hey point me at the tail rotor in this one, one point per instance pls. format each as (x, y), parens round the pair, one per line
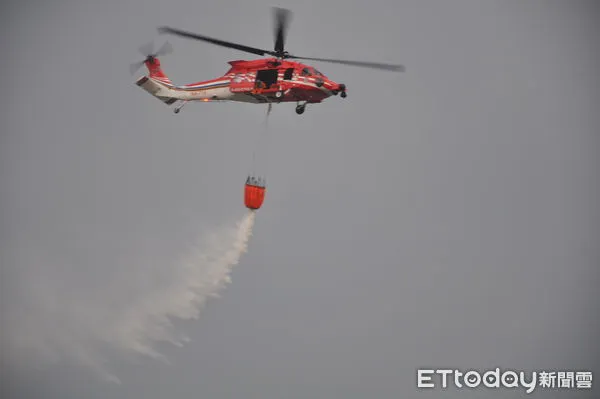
(147, 51)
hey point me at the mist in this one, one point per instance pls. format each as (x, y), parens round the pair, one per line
(130, 310)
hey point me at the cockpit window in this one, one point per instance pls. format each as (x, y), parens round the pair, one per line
(306, 72)
(318, 73)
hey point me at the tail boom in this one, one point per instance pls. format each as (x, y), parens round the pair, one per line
(160, 86)
(217, 90)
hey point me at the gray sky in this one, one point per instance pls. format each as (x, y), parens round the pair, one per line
(445, 217)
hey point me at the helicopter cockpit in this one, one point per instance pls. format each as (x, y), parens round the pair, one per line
(308, 71)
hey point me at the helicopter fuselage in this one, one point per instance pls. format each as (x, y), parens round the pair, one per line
(256, 81)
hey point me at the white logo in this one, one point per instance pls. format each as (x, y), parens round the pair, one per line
(506, 379)
(239, 78)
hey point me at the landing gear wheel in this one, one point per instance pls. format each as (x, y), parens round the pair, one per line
(176, 110)
(300, 109)
(279, 94)
(343, 94)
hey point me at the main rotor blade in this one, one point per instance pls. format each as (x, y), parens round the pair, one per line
(282, 18)
(218, 42)
(376, 65)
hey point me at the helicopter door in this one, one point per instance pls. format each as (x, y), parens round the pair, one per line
(289, 74)
(266, 79)
(241, 83)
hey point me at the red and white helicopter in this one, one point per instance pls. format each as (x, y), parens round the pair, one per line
(267, 80)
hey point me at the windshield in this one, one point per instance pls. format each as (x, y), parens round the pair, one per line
(311, 72)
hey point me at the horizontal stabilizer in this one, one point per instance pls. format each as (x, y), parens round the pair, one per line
(163, 93)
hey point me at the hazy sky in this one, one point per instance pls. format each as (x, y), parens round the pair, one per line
(445, 217)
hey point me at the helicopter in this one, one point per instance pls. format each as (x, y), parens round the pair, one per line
(276, 79)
